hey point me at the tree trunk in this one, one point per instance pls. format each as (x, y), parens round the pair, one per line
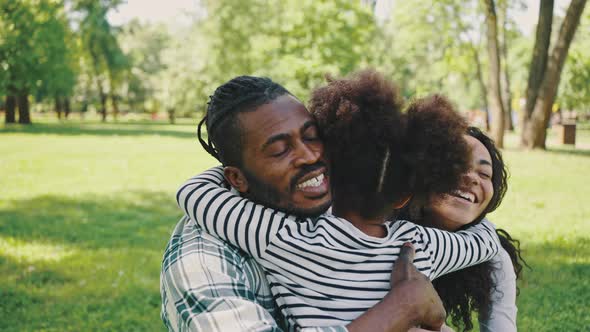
(172, 115)
(504, 75)
(540, 55)
(58, 107)
(482, 85)
(24, 115)
(103, 106)
(101, 93)
(10, 116)
(494, 89)
(507, 101)
(115, 106)
(67, 108)
(535, 129)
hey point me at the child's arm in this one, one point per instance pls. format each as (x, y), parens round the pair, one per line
(243, 223)
(439, 252)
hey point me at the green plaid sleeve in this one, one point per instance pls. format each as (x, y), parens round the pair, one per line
(209, 285)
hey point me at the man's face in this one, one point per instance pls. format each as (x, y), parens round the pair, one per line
(283, 158)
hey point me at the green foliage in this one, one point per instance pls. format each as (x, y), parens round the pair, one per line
(148, 67)
(36, 48)
(575, 87)
(101, 51)
(434, 49)
(82, 235)
(144, 47)
(293, 42)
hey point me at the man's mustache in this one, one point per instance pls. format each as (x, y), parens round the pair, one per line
(306, 169)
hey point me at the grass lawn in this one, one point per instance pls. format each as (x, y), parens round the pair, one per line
(86, 210)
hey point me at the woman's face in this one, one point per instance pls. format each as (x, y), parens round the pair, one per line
(464, 205)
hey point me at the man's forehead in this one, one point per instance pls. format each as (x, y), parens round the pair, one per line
(283, 115)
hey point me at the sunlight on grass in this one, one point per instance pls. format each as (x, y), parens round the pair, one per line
(31, 252)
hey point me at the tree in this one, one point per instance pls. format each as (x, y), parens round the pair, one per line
(546, 71)
(18, 24)
(144, 45)
(505, 72)
(34, 53)
(10, 103)
(494, 85)
(101, 47)
(575, 94)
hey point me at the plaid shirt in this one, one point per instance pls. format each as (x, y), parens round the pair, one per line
(209, 285)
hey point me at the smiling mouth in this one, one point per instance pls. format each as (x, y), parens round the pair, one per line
(467, 196)
(312, 183)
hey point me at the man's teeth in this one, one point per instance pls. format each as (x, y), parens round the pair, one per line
(314, 182)
(465, 195)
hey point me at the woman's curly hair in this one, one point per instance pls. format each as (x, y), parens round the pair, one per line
(377, 153)
(470, 289)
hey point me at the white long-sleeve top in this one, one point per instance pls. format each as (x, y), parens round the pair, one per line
(502, 315)
(324, 271)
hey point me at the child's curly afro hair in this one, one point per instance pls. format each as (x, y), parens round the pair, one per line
(378, 154)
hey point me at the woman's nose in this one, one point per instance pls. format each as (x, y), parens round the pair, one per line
(470, 178)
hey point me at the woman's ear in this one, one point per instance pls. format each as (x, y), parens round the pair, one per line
(236, 178)
(402, 201)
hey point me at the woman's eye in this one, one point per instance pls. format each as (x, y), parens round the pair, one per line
(485, 175)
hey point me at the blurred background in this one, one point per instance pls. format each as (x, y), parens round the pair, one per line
(100, 101)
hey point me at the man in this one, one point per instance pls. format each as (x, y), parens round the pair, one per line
(272, 153)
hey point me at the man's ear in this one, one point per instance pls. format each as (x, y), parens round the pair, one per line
(402, 201)
(236, 178)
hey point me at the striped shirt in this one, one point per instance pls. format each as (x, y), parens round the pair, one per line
(324, 271)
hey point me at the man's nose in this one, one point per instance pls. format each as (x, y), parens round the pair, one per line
(308, 153)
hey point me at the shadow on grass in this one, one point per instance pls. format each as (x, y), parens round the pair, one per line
(138, 219)
(555, 294)
(109, 129)
(55, 296)
(107, 281)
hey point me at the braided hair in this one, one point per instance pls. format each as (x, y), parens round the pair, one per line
(240, 94)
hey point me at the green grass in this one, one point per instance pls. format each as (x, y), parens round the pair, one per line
(87, 208)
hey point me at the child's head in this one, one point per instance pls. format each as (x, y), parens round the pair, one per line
(379, 155)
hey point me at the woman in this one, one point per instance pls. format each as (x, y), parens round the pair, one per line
(488, 288)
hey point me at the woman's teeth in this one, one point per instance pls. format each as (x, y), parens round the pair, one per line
(314, 182)
(465, 195)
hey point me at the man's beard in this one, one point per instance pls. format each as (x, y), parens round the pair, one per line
(267, 195)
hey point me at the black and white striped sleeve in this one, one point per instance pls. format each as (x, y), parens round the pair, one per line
(237, 220)
(452, 251)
